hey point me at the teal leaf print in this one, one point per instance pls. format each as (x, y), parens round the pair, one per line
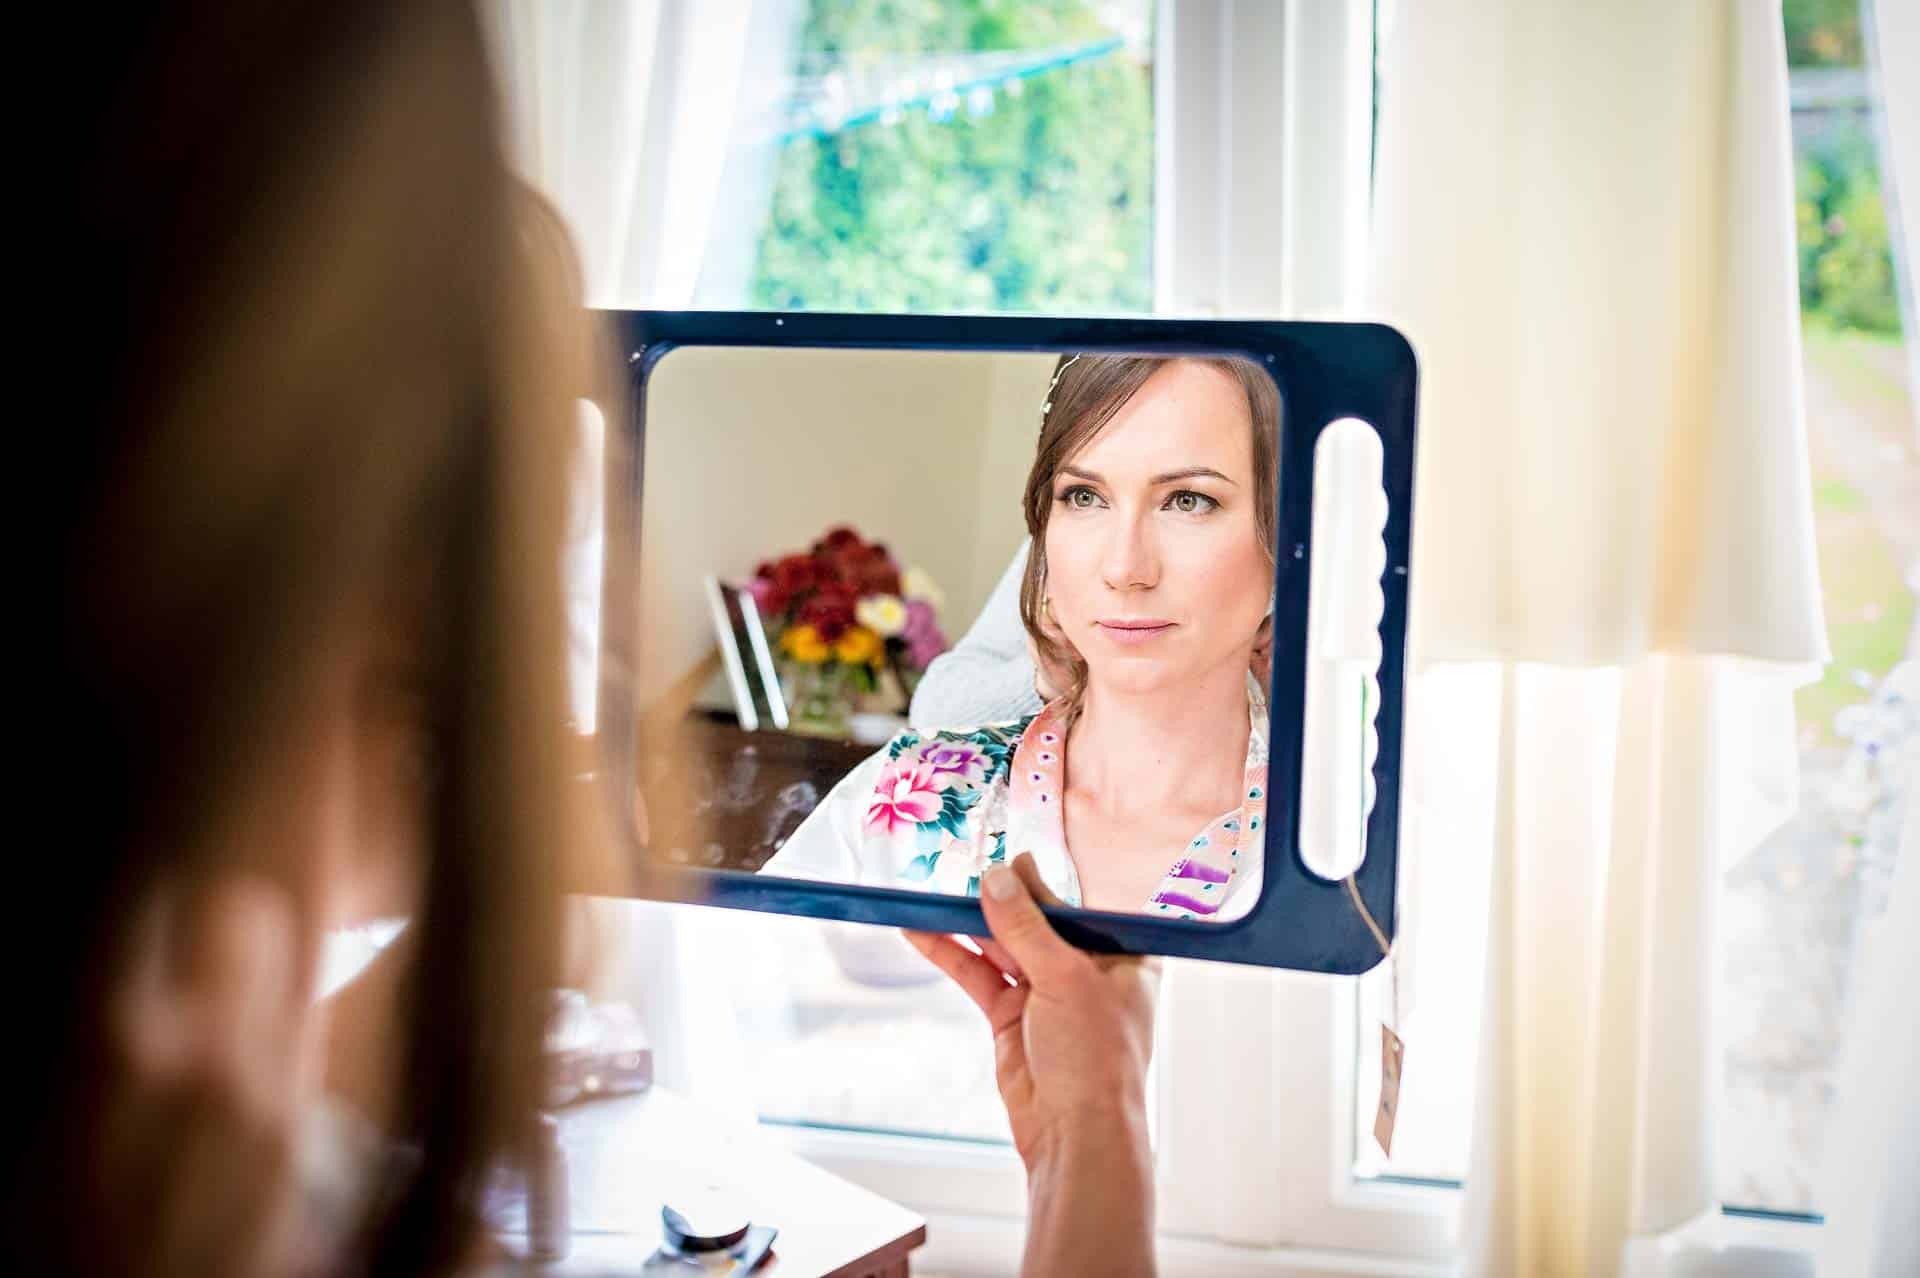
(954, 806)
(920, 869)
(901, 744)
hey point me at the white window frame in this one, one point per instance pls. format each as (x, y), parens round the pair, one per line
(1263, 145)
(1261, 208)
(1263, 112)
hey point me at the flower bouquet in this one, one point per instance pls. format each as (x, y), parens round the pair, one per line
(849, 627)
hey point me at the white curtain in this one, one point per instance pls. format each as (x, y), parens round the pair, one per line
(627, 116)
(1896, 31)
(1873, 1158)
(1873, 1144)
(1584, 223)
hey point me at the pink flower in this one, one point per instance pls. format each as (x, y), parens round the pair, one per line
(764, 597)
(922, 635)
(904, 796)
(920, 618)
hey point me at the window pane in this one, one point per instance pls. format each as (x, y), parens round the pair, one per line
(1798, 911)
(1446, 844)
(967, 156)
(846, 1026)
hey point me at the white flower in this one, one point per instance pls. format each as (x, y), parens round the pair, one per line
(885, 615)
(918, 585)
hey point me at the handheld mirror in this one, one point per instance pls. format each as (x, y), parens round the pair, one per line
(886, 600)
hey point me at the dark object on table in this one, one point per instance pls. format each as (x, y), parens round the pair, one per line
(698, 1234)
(745, 1256)
(728, 799)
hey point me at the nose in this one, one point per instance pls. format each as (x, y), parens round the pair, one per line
(1131, 558)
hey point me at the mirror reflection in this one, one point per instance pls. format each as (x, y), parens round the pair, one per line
(909, 614)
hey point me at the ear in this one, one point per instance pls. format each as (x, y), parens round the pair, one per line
(1260, 657)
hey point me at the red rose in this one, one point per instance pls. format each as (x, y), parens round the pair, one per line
(829, 610)
(877, 574)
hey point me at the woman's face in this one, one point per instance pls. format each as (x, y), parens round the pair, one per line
(1154, 568)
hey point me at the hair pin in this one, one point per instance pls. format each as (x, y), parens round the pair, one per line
(1057, 375)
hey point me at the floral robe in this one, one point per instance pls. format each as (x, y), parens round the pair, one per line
(932, 812)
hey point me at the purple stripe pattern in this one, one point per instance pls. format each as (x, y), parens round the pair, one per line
(1181, 901)
(1190, 869)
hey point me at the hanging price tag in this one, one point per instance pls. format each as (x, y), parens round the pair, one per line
(1392, 1052)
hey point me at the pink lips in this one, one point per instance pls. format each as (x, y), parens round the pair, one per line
(1131, 631)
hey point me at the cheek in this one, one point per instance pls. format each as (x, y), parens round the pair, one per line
(1231, 581)
(1069, 569)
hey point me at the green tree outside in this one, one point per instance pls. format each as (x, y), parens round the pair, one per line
(1042, 204)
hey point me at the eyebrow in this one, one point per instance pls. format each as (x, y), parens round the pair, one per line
(1191, 472)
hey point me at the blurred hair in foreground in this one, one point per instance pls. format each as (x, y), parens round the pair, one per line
(330, 386)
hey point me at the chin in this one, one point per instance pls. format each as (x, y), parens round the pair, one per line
(1138, 676)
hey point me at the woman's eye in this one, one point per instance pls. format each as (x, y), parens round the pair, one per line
(1080, 497)
(1188, 502)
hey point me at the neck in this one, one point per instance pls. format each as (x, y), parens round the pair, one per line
(1184, 745)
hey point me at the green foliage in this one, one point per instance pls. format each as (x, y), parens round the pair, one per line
(1043, 204)
(1835, 496)
(1846, 253)
(1823, 33)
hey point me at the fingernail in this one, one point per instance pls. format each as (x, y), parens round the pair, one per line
(1001, 883)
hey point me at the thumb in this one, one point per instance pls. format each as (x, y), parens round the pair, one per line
(1016, 922)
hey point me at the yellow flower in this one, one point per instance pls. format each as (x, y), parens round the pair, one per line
(857, 645)
(885, 615)
(804, 645)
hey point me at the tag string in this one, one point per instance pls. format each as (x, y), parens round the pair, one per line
(1386, 949)
(1353, 887)
(1390, 1045)
(1353, 890)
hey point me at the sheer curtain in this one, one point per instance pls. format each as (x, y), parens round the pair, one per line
(1584, 223)
(1873, 1159)
(626, 116)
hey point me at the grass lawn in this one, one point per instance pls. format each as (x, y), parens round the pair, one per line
(1860, 422)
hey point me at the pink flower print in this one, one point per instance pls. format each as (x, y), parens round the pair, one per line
(904, 796)
(955, 761)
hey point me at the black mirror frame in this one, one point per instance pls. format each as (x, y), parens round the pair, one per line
(1325, 372)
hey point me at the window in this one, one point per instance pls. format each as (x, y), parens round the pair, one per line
(959, 156)
(1796, 911)
(965, 157)
(1132, 155)
(1103, 156)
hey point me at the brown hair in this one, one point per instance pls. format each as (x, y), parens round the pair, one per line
(1087, 391)
(322, 359)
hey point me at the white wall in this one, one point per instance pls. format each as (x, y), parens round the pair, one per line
(1016, 388)
(755, 452)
